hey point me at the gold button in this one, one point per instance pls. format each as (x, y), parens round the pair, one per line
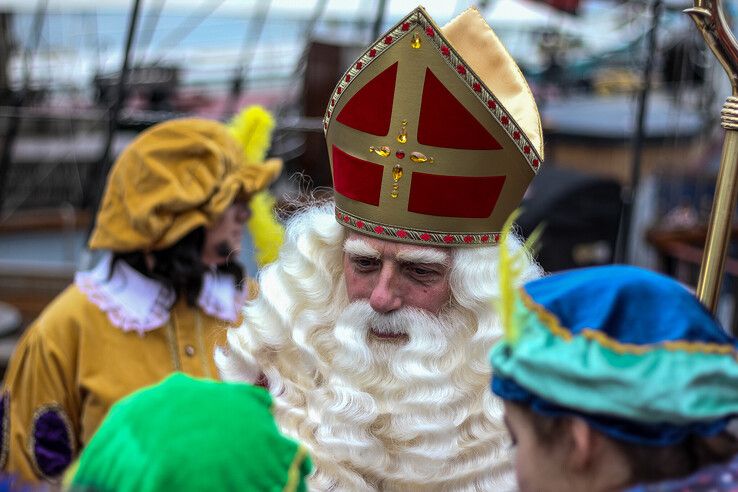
(189, 350)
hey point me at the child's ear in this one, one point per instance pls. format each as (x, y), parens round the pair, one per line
(582, 444)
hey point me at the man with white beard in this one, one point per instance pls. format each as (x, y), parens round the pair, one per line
(372, 328)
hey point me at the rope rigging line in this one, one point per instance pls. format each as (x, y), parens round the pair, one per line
(180, 32)
(246, 56)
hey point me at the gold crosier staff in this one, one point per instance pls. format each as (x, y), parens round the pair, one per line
(708, 15)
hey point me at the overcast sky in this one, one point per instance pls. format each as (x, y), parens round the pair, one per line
(350, 8)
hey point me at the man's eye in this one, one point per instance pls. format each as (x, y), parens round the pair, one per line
(419, 271)
(422, 274)
(364, 264)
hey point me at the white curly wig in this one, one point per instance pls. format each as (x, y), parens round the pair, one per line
(416, 417)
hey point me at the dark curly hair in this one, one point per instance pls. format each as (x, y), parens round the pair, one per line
(180, 266)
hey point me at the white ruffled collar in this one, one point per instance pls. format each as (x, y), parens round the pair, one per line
(134, 302)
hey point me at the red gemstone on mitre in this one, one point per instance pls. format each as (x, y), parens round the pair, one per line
(372, 52)
(405, 26)
(325, 126)
(468, 239)
(497, 237)
(516, 135)
(329, 113)
(491, 104)
(445, 51)
(339, 215)
(425, 236)
(477, 87)
(400, 154)
(333, 101)
(346, 218)
(448, 238)
(339, 90)
(359, 65)
(388, 40)
(535, 163)
(526, 149)
(402, 233)
(348, 78)
(505, 120)
(360, 224)
(379, 229)
(429, 31)
(484, 238)
(461, 69)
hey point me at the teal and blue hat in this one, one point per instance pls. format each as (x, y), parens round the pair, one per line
(630, 351)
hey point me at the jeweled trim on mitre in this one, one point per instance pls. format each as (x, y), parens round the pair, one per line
(455, 62)
(417, 236)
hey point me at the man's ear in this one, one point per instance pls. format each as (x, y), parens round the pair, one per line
(583, 442)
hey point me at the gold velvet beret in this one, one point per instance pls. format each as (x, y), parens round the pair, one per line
(174, 177)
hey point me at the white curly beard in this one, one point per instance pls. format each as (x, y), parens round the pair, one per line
(376, 414)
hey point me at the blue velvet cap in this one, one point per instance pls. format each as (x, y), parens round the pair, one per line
(631, 351)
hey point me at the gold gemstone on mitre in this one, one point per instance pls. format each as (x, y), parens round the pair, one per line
(415, 43)
(420, 158)
(382, 151)
(402, 136)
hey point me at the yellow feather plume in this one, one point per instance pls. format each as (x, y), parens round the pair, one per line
(511, 266)
(253, 128)
(267, 233)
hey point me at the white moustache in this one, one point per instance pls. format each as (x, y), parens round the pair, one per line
(417, 324)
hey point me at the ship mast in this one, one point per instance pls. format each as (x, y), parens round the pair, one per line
(98, 173)
(16, 102)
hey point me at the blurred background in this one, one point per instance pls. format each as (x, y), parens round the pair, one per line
(628, 92)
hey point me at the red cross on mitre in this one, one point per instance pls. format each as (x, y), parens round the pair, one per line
(421, 149)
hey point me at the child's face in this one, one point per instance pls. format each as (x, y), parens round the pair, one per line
(223, 238)
(539, 466)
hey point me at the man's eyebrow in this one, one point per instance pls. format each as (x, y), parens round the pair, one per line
(357, 247)
(424, 256)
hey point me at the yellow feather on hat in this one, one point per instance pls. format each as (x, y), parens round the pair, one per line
(511, 266)
(253, 127)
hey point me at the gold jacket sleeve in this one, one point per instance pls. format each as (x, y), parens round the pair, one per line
(41, 405)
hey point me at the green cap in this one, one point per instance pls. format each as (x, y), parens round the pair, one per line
(189, 434)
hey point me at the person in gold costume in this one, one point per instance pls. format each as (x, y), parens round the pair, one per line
(171, 221)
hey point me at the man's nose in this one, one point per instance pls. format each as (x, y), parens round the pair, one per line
(385, 296)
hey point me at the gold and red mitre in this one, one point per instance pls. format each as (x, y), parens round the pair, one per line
(433, 134)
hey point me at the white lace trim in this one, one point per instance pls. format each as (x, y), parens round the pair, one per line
(134, 302)
(220, 298)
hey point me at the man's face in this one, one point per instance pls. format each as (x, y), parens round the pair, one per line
(393, 275)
